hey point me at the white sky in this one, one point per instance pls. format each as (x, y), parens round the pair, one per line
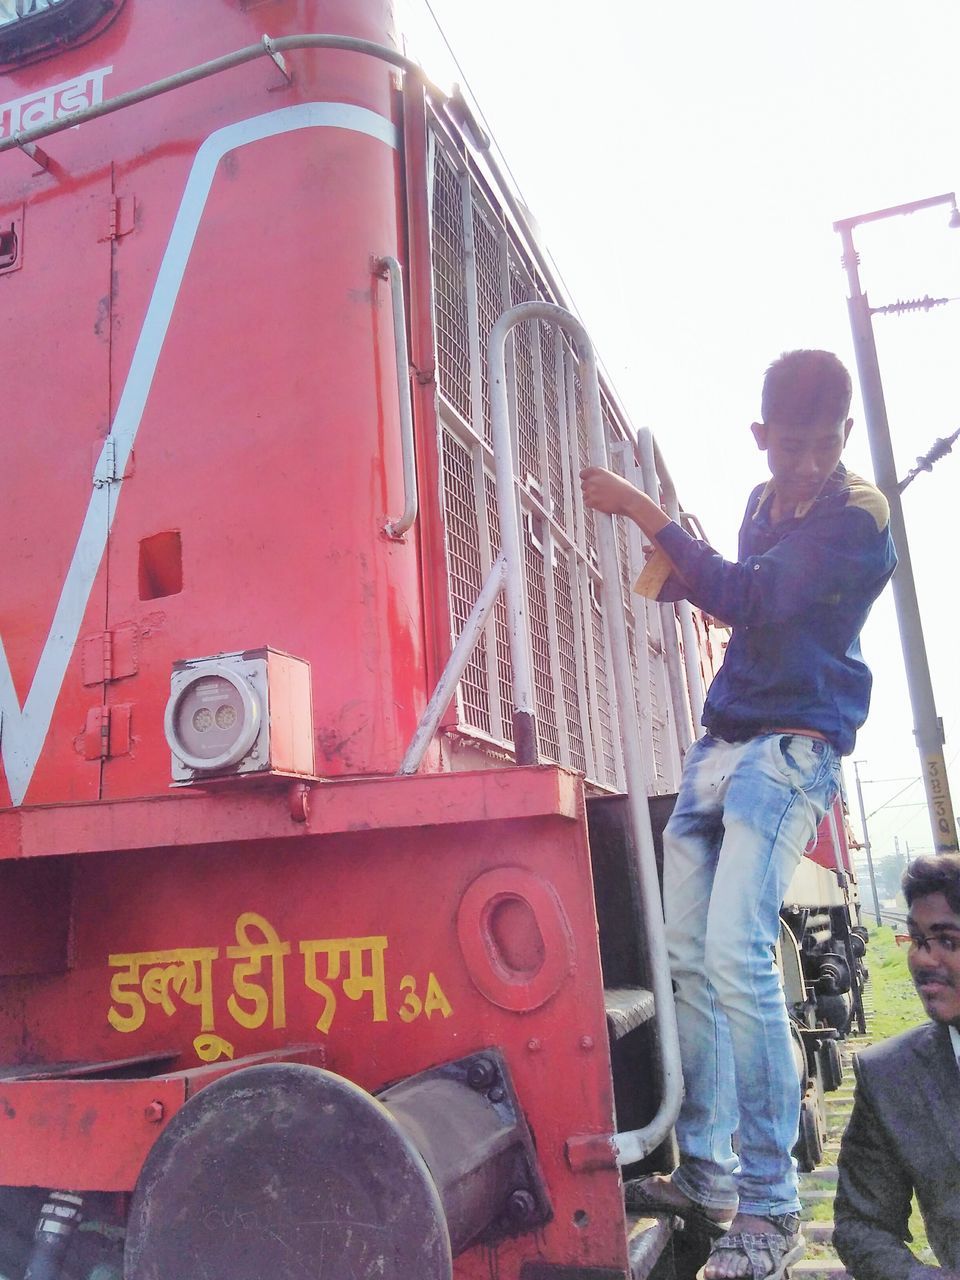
(685, 161)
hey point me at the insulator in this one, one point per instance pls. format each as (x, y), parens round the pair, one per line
(901, 306)
(939, 449)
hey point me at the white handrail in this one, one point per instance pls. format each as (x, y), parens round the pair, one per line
(636, 1143)
(389, 268)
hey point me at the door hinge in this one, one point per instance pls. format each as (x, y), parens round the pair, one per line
(122, 218)
(109, 655)
(106, 469)
(107, 732)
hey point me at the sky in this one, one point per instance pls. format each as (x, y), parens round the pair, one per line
(685, 162)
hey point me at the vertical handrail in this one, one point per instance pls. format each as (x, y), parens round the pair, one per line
(524, 701)
(389, 268)
(671, 505)
(636, 1143)
(668, 613)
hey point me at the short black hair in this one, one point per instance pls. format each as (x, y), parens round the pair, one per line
(933, 873)
(806, 389)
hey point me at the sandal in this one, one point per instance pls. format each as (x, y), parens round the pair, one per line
(769, 1253)
(642, 1195)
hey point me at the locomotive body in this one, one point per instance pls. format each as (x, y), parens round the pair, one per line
(266, 1008)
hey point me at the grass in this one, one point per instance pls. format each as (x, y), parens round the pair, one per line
(896, 1008)
(896, 1004)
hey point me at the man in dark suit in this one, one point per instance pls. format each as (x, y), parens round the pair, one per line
(904, 1133)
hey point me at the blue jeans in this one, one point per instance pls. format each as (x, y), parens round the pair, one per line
(744, 815)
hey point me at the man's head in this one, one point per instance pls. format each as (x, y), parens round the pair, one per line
(806, 399)
(931, 886)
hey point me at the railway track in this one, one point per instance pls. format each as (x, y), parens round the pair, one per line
(817, 1189)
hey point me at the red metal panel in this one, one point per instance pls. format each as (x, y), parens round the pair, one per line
(350, 941)
(55, 376)
(245, 811)
(92, 1134)
(34, 915)
(824, 851)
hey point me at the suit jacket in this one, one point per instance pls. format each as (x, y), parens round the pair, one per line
(903, 1136)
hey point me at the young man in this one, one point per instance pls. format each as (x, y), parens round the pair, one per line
(904, 1133)
(815, 551)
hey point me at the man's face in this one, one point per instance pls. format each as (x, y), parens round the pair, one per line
(801, 459)
(934, 957)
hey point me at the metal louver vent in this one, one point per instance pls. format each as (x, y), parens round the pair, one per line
(479, 271)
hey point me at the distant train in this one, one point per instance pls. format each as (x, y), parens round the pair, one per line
(330, 938)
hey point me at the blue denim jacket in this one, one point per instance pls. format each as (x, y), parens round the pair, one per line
(797, 599)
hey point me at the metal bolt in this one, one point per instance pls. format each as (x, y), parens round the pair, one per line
(497, 1093)
(586, 1042)
(481, 1073)
(153, 1112)
(521, 1206)
(534, 1045)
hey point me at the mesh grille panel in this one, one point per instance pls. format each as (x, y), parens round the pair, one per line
(540, 644)
(551, 408)
(504, 667)
(480, 269)
(463, 561)
(490, 299)
(453, 345)
(582, 459)
(603, 698)
(568, 659)
(523, 338)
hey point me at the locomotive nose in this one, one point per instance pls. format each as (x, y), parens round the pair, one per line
(274, 1168)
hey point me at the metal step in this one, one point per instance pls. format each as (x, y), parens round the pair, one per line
(627, 1008)
(646, 1240)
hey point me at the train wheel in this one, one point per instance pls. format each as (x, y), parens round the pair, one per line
(809, 1148)
(831, 1066)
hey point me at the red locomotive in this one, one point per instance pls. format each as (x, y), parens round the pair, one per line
(299, 972)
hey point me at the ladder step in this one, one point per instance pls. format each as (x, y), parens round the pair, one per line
(818, 1232)
(627, 1008)
(823, 1173)
(814, 1268)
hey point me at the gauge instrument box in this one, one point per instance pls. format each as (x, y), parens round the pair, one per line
(240, 713)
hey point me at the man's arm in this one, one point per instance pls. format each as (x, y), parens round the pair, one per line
(874, 1192)
(829, 556)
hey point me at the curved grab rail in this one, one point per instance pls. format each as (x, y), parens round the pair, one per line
(267, 48)
(389, 268)
(636, 1143)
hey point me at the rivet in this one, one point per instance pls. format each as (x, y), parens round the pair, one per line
(586, 1042)
(534, 1045)
(153, 1112)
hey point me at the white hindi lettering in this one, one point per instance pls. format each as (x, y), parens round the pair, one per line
(55, 103)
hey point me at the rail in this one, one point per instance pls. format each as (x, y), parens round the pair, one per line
(456, 665)
(269, 47)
